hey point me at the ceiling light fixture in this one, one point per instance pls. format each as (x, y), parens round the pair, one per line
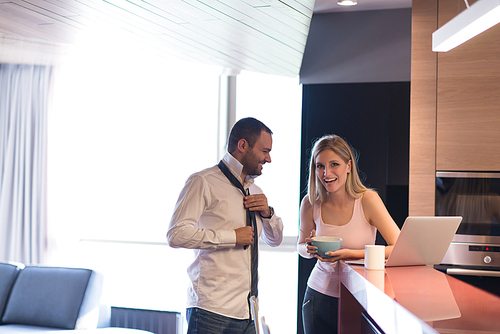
(475, 19)
(347, 2)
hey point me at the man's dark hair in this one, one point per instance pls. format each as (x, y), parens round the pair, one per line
(246, 128)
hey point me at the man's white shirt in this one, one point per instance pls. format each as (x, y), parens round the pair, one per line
(208, 211)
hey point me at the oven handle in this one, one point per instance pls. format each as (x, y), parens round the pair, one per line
(471, 272)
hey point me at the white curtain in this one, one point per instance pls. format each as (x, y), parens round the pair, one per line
(23, 131)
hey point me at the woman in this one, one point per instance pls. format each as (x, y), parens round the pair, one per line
(337, 204)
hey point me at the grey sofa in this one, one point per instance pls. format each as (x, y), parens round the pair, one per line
(41, 299)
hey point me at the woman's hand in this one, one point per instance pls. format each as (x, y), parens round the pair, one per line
(341, 254)
(313, 250)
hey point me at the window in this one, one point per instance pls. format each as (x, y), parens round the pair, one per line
(126, 129)
(277, 101)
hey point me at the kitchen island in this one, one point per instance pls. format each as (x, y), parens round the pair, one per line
(417, 299)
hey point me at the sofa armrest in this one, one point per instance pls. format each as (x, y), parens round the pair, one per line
(92, 313)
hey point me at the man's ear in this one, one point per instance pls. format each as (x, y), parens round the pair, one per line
(242, 145)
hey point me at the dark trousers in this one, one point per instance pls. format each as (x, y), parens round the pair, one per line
(204, 322)
(319, 313)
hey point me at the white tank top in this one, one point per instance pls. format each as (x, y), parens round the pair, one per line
(355, 234)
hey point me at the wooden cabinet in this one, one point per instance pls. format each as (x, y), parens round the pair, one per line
(468, 101)
(455, 103)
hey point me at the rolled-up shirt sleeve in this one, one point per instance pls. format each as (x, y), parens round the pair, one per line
(184, 230)
(272, 231)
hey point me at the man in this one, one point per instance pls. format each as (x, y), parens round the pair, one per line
(214, 216)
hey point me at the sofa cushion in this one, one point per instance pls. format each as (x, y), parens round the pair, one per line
(8, 274)
(47, 297)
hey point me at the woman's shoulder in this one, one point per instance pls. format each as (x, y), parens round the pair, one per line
(373, 206)
(306, 203)
(307, 207)
(370, 197)
(370, 194)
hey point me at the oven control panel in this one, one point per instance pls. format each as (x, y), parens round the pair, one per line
(473, 254)
(485, 249)
(477, 248)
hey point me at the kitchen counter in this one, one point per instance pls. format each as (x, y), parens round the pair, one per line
(416, 299)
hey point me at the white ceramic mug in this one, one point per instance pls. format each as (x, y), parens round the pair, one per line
(374, 257)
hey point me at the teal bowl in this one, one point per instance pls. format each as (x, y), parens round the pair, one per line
(326, 244)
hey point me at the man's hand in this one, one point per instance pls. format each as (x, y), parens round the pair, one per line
(244, 236)
(257, 202)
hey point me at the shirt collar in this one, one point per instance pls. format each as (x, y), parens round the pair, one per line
(236, 167)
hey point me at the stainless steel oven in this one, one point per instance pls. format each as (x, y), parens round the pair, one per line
(475, 249)
(474, 254)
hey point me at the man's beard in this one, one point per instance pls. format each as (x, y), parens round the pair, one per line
(251, 165)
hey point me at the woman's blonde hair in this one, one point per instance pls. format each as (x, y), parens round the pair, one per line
(354, 186)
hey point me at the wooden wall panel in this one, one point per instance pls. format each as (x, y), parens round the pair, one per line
(468, 105)
(423, 109)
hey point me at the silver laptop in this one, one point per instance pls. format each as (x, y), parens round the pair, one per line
(423, 241)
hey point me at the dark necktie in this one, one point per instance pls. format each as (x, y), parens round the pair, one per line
(250, 222)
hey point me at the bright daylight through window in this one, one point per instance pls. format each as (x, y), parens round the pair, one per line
(126, 129)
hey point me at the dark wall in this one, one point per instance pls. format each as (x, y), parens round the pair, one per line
(358, 46)
(375, 119)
